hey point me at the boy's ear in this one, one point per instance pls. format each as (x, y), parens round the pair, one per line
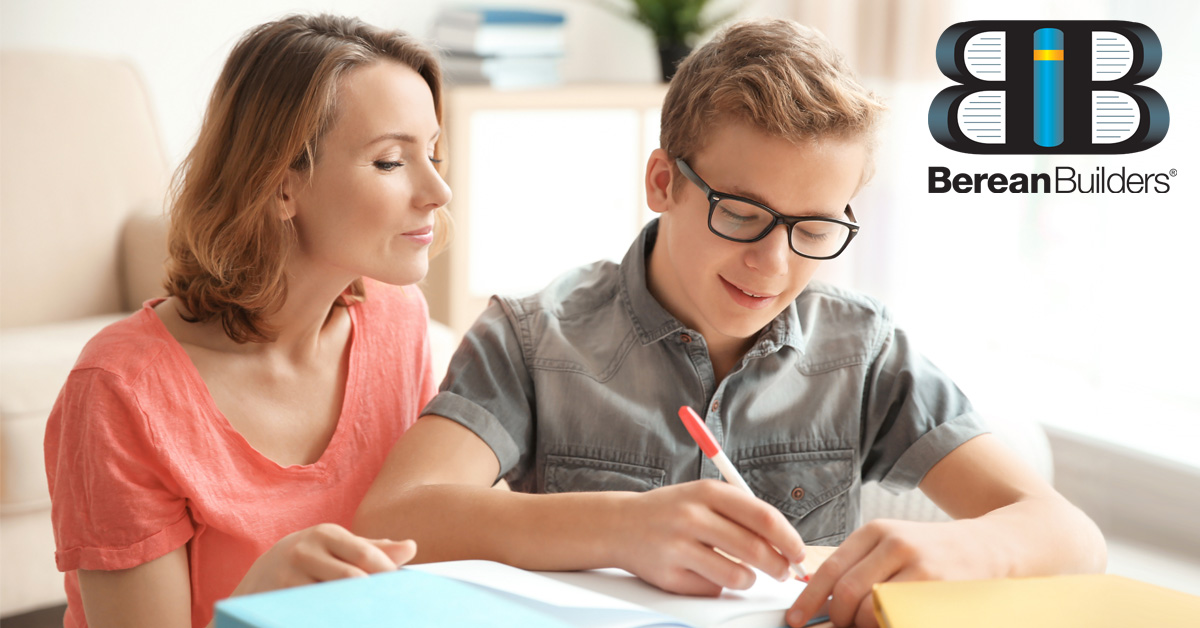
(660, 176)
(286, 195)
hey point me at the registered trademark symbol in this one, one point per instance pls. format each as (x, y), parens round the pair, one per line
(1174, 172)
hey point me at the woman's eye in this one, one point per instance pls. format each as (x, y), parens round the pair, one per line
(435, 160)
(387, 166)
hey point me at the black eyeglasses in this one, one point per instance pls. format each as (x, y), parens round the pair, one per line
(743, 220)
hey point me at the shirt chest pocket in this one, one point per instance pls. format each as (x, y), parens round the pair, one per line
(811, 489)
(574, 474)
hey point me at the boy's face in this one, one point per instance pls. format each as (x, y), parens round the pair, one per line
(729, 291)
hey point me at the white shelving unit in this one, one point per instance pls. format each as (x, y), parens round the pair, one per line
(543, 181)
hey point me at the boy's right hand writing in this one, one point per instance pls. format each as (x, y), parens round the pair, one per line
(323, 552)
(672, 532)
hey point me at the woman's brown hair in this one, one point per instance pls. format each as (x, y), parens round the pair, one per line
(274, 101)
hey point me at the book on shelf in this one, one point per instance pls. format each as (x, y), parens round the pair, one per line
(500, 32)
(501, 72)
(500, 15)
(484, 593)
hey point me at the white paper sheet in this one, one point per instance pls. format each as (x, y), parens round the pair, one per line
(614, 598)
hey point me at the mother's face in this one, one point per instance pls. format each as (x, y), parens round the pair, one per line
(368, 207)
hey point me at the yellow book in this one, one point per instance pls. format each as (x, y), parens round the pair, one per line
(1091, 601)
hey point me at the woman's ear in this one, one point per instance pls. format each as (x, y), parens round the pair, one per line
(286, 195)
(660, 176)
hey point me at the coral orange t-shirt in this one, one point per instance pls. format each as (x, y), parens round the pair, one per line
(141, 462)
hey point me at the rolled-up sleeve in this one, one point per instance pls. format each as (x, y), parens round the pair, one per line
(488, 390)
(115, 504)
(913, 415)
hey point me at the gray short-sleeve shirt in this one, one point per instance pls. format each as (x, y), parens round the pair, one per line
(576, 388)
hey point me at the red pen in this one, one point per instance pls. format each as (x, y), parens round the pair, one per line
(708, 444)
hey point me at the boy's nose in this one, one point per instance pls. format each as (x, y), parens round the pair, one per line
(770, 255)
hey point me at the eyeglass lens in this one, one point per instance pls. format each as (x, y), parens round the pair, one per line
(745, 222)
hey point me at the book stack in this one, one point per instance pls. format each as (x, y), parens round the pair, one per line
(506, 48)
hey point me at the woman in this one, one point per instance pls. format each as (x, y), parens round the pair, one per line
(217, 442)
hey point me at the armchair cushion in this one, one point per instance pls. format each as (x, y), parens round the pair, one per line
(33, 366)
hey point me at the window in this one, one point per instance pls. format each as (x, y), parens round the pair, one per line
(1079, 310)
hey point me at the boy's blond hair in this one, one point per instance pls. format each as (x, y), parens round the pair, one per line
(779, 76)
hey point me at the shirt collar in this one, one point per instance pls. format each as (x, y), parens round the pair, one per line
(784, 331)
(650, 319)
(653, 322)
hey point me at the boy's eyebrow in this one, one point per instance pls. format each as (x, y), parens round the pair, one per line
(407, 138)
(740, 191)
(839, 215)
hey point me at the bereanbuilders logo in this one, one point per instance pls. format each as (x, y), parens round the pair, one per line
(1065, 181)
(1049, 87)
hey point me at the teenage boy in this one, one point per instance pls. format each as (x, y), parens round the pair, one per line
(571, 394)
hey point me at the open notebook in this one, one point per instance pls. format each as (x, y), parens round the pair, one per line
(614, 598)
(483, 593)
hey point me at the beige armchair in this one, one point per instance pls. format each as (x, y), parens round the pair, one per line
(82, 175)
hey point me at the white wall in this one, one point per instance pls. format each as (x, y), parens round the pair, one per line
(180, 46)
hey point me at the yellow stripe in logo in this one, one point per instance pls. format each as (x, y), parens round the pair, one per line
(1047, 55)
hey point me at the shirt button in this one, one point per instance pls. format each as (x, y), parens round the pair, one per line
(716, 405)
(798, 493)
(684, 338)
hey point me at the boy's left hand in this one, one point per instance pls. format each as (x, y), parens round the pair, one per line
(887, 551)
(1009, 522)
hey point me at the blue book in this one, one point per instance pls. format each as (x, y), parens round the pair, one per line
(501, 15)
(500, 32)
(404, 597)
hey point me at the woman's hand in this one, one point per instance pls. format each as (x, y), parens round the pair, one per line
(323, 552)
(672, 532)
(888, 551)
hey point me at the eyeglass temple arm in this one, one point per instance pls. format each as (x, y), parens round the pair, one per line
(691, 175)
